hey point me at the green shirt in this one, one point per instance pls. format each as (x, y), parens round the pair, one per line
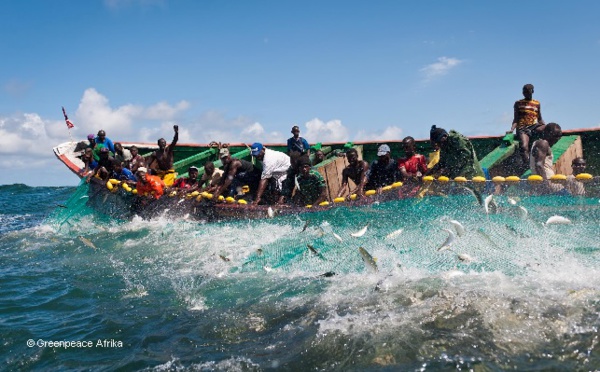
(311, 187)
(458, 157)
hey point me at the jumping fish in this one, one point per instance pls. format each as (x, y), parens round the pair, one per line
(465, 257)
(339, 238)
(270, 212)
(393, 234)
(224, 258)
(512, 201)
(460, 229)
(449, 240)
(361, 232)
(368, 260)
(558, 220)
(296, 182)
(87, 242)
(305, 225)
(523, 212)
(486, 203)
(314, 251)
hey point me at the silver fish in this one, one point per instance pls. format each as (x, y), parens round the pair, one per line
(224, 258)
(465, 257)
(486, 203)
(339, 238)
(361, 232)
(87, 242)
(449, 240)
(393, 234)
(558, 220)
(460, 229)
(523, 212)
(270, 212)
(296, 182)
(368, 260)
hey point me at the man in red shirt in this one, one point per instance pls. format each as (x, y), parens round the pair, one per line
(413, 166)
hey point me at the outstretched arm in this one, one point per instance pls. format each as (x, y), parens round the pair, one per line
(175, 138)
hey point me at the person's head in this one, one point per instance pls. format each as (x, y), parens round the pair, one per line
(578, 166)
(88, 152)
(101, 135)
(257, 150)
(225, 156)
(296, 131)
(162, 143)
(91, 138)
(384, 153)
(528, 91)
(209, 168)
(319, 156)
(193, 172)
(141, 174)
(304, 166)
(438, 135)
(134, 150)
(408, 144)
(104, 152)
(117, 166)
(552, 133)
(352, 156)
(118, 147)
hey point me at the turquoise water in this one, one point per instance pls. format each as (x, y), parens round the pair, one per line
(249, 295)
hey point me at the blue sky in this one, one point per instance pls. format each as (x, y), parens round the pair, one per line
(246, 71)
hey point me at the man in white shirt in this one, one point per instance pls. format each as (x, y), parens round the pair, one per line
(275, 167)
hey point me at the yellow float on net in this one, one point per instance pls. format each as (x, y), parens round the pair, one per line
(198, 198)
(242, 201)
(114, 181)
(353, 197)
(134, 191)
(229, 200)
(324, 204)
(339, 200)
(370, 192)
(126, 187)
(443, 179)
(386, 188)
(513, 179)
(195, 193)
(535, 178)
(558, 178)
(583, 177)
(220, 198)
(478, 179)
(308, 205)
(428, 179)
(109, 185)
(460, 179)
(207, 195)
(245, 189)
(173, 193)
(498, 179)
(397, 184)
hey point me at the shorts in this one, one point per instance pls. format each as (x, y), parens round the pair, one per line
(528, 130)
(168, 177)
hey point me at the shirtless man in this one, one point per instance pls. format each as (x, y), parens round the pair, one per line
(357, 172)
(541, 159)
(527, 119)
(236, 173)
(164, 159)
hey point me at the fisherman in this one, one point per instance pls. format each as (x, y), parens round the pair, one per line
(355, 171)
(189, 183)
(122, 154)
(311, 188)
(318, 158)
(412, 166)
(236, 174)
(574, 186)
(101, 139)
(527, 120)
(121, 173)
(211, 177)
(275, 168)
(164, 159)
(89, 163)
(297, 143)
(136, 161)
(149, 185)
(541, 159)
(382, 171)
(104, 168)
(457, 155)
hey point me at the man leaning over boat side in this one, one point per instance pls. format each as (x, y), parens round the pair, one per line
(163, 157)
(149, 185)
(275, 167)
(541, 159)
(527, 120)
(189, 183)
(357, 172)
(574, 186)
(104, 167)
(211, 178)
(236, 174)
(457, 155)
(383, 171)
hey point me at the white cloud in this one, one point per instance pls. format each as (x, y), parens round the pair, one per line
(392, 133)
(319, 131)
(440, 68)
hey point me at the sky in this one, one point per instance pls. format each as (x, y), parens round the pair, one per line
(247, 71)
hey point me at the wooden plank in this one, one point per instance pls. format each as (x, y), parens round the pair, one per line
(563, 164)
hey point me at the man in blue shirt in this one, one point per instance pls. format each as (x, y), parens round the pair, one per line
(101, 139)
(297, 148)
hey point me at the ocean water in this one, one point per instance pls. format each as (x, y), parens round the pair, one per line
(81, 291)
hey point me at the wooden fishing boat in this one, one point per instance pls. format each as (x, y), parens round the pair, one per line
(498, 156)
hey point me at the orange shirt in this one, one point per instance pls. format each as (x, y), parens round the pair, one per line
(154, 185)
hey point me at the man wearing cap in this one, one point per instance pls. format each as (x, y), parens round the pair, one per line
(383, 171)
(149, 185)
(189, 183)
(236, 174)
(297, 147)
(311, 188)
(211, 177)
(275, 166)
(457, 155)
(356, 171)
(164, 159)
